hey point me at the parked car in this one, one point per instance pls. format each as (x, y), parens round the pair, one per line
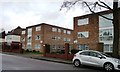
(97, 59)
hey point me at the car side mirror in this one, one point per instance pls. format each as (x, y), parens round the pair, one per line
(101, 57)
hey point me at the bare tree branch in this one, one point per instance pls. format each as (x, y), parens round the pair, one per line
(101, 5)
(96, 13)
(70, 4)
(108, 7)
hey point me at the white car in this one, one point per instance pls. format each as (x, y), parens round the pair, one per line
(97, 59)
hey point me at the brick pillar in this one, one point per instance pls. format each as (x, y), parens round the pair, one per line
(66, 50)
(44, 50)
(100, 47)
(20, 48)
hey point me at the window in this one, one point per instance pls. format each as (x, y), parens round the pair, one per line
(29, 46)
(30, 31)
(29, 39)
(108, 48)
(68, 32)
(37, 37)
(83, 34)
(38, 28)
(37, 46)
(23, 32)
(23, 39)
(53, 47)
(54, 29)
(64, 31)
(106, 35)
(59, 30)
(54, 38)
(94, 54)
(65, 39)
(85, 53)
(59, 38)
(83, 47)
(104, 22)
(83, 21)
(68, 39)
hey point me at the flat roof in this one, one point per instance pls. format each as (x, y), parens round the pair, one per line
(47, 25)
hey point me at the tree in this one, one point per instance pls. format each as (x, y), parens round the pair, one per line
(92, 6)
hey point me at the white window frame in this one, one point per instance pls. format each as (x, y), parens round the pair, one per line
(59, 38)
(85, 34)
(104, 22)
(103, 37)
(36, 37)
(109, 49)
(29, 31)
(23, 39)
(59, 30)
(23, 32)
(68, 32)
(54, 38)
(64, 31)
(29, 46)
(65, 39)
(83, 21)
(29, 39)
(38, 28)
(37, 46)
(54, 29)
(80, 46)
(68, 39)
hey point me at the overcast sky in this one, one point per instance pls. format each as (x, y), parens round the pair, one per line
(23, 13)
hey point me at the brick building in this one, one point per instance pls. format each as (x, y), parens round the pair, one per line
(12, 41)
(38, 36)
(94, 32)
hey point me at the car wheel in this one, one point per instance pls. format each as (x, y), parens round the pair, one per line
(108, 67)
(77, 63)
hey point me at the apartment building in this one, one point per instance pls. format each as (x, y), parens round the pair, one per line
(37, 36)
(94, 32)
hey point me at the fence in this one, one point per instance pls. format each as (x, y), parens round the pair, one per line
(13, 47)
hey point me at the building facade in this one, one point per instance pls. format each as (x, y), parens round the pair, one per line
(12, 41)
(94, 32)
(37, 36)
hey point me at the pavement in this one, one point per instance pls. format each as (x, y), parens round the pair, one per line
(40, 57)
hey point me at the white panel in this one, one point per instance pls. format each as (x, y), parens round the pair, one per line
(10, 38)
(83, 21)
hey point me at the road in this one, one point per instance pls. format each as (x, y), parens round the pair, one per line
(11, 62)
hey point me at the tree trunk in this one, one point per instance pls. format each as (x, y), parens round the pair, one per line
(116, 29)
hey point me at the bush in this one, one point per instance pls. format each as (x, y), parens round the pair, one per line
(74, 51)
(33, 51)
(27, 50)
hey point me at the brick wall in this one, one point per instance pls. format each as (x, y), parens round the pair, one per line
(92, 27)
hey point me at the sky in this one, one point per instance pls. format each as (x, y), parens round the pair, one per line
(23, 13)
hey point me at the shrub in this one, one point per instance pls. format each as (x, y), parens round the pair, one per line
(27, 50)
(33, 51)
(74, 51)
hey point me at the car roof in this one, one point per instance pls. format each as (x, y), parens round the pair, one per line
(89, 51)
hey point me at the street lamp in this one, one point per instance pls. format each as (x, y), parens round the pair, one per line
(75, 42)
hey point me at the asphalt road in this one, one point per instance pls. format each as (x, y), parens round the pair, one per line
(11, 62)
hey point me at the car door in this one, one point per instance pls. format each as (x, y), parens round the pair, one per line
(95, 59)
(84, 57)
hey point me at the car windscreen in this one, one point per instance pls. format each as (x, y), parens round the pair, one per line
(105, 54)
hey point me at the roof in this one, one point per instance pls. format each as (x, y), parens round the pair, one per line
(47, 25)
(102, 13)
